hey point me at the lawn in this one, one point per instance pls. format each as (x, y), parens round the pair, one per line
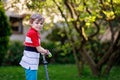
(56, 72)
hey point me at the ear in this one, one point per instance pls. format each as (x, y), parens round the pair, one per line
(43, 19)
(31, 21)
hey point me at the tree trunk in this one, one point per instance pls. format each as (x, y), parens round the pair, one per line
(90, 61)
(109, 52)
(111, 62)
(77, 63)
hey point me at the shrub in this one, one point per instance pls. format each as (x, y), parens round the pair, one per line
(60, 55)
(61, 49)
(14, 53)
(5, 32)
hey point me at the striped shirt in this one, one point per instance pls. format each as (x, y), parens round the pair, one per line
(32, 38)
(30, 59)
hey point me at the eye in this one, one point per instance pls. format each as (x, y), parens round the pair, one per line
(41, 23)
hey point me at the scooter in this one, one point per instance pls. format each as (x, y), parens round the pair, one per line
(45, 64)
(45, 67)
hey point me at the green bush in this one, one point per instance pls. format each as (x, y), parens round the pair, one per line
(61, 54)
(61, 49)
(5, 32)
(14, 53)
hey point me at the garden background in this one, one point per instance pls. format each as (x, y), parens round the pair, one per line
(82, 35)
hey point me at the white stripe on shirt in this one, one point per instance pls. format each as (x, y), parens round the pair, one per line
(30, 60)
(28, 39)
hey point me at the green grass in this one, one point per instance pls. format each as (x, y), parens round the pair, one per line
(56, 72)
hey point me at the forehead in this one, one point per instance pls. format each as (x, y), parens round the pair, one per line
(39, 20)
(36, 16)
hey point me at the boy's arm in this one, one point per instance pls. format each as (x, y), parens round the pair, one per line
(41, 50)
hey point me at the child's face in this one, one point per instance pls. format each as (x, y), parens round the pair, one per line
(37, 24)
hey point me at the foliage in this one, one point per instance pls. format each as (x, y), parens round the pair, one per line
(57, 34)
(61, 54)
(88, 20)
(97, 49)
(5, 32)
(15, 52)
(63, 50)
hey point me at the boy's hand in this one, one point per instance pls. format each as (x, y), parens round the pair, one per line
(49, 54)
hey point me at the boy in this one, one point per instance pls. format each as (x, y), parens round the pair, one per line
(31, 54)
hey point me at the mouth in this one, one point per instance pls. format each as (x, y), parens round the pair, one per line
(39, 28)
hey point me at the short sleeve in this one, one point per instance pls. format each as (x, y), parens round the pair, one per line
(35, 39)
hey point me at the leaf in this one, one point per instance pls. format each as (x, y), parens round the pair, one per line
(109, 15)
(87, 24)
(80, 8)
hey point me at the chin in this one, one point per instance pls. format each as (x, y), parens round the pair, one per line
(38, 30)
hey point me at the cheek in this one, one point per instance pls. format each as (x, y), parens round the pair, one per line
(41, 25)
(34, 24)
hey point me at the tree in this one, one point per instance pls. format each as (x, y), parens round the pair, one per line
(89, 14)
(5, 32)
